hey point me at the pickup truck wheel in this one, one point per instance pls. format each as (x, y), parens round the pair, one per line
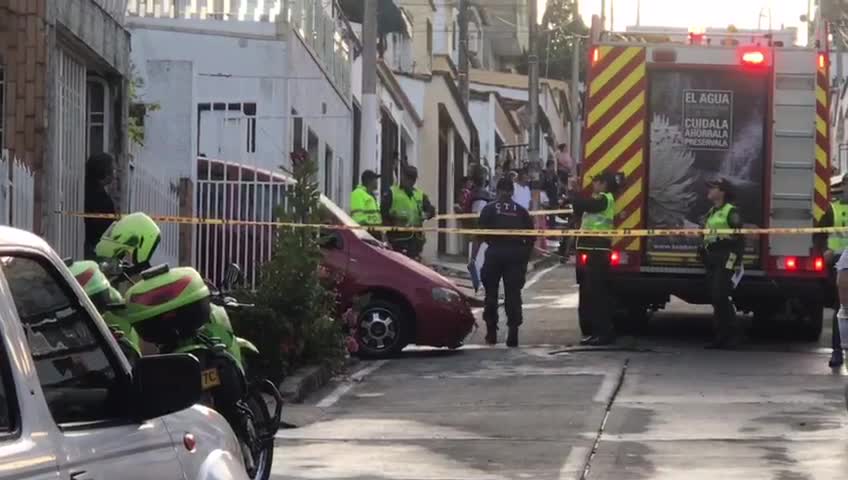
(382, 331)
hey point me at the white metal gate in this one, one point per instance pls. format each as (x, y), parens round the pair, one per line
(157, 195)
(231, 191)
(68, 190)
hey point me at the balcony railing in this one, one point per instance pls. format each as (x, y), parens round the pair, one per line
(308, 19)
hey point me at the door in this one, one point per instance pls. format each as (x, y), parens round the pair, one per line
(86, 385)
(36, 459)
(66, 233)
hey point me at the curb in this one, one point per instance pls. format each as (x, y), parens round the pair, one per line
(309, 379)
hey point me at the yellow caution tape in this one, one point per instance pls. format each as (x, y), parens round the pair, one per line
(646, 232)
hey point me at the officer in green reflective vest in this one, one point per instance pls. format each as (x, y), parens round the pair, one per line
(406, 206)
(364, 208)
(836, 216)
(593, 253)
(722, 255)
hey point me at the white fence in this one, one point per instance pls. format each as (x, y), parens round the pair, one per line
(156, 195)
(17, 193)
(231, 191)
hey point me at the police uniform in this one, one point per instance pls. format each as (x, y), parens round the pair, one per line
(722, 254)
(406, 207)
(506, 258)
(363, 207)
(594, 307)
(837, 216)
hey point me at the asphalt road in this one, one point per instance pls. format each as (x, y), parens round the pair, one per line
(656, 407)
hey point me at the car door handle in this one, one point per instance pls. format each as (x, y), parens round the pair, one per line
(80, 475)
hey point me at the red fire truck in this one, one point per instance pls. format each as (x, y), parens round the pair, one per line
(668, 118)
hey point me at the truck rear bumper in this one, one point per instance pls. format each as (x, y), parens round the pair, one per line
(656, 288)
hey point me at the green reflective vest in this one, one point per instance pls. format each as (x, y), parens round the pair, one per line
(604, 220)
(364, 208)
(838, 241)
(718, 219)
(407, 211)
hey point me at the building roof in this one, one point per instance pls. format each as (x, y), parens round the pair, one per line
(510, 80)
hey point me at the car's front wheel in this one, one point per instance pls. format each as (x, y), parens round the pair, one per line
(382, 331)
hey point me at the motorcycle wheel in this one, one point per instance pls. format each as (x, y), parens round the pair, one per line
(264, 457)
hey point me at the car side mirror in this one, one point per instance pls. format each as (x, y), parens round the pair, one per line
(165, 384)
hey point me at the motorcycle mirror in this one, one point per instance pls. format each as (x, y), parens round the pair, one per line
(155, 271)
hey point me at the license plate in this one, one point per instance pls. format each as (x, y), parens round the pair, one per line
(209, 379)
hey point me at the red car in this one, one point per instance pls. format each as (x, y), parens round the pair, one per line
(405, 302)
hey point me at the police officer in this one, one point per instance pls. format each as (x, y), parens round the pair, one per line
(836, 216)
(722, 255)
(598, 213)
(363, 203)
(506, 258)
(406, 206)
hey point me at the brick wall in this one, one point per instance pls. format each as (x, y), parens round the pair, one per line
(23, 55)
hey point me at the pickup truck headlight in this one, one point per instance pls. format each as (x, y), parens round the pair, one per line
(446, 295)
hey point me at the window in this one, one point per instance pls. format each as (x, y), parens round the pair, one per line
(2, 108)
(328, 172)
(297, 132)
(429, 39)
(98, 116)
(74, 365)
(8, 399)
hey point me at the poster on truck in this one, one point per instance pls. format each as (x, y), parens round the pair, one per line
(705, 124)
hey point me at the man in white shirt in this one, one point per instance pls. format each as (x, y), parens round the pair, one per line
(521, 194)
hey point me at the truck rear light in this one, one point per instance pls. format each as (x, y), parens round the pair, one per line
(753, 56)
(596, 55)
(615, 258)
(822, 61)
(818, 264)
(789, 263)
(584, 259)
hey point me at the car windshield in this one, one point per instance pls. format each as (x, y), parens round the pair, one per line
(342, 218)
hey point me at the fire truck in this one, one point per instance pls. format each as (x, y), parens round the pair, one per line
(668, 118)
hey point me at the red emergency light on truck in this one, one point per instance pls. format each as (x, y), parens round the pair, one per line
(671, 117)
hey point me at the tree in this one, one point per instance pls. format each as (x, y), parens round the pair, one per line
(560, 24)
(294, 320)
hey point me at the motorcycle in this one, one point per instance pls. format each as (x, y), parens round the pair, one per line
(179, 312)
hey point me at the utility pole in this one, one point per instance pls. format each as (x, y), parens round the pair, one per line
(463, 52)
(533, 92)
(638, 13)
(603, 14)
(612, 15)
(368, 143)
(576, 122)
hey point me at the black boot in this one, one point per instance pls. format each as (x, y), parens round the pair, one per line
(491, 335)
(836, 359)
(512, 337)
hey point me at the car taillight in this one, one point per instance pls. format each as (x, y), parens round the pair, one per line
(584, 259)
(615, 259)
(818, 264)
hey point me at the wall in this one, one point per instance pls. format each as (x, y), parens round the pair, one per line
(276, 75)
(420, 13)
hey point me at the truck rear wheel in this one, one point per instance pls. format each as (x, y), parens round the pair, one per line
(632, 319)
(809, 324)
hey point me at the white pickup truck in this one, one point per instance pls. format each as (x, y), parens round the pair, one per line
(71, 407)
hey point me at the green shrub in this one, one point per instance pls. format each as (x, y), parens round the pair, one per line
(293, 322)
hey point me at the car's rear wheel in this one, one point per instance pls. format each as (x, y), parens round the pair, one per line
(382, 330)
